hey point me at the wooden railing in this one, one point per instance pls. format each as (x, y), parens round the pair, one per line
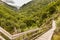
(31, 34)
(16, 35)
(11, 37)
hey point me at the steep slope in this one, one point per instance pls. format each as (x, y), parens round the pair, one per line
(31, 15)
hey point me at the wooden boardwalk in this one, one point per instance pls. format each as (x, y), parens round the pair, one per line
(48, 34)
(45, 36)
(11, 37)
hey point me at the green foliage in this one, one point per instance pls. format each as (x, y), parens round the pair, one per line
(30, 15)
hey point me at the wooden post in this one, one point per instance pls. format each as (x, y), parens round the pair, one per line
(15, 30)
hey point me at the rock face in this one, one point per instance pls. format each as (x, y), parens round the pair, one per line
(16, 3)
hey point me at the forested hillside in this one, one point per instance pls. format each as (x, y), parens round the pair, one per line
(29, 16)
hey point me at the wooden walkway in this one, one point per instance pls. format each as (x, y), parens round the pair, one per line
(48, 34)
(11, 37)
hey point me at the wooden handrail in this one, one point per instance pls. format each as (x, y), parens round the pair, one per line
(19, 34)
(15, 35)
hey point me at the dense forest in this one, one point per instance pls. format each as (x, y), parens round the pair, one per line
(26, 18)
(29, 16)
